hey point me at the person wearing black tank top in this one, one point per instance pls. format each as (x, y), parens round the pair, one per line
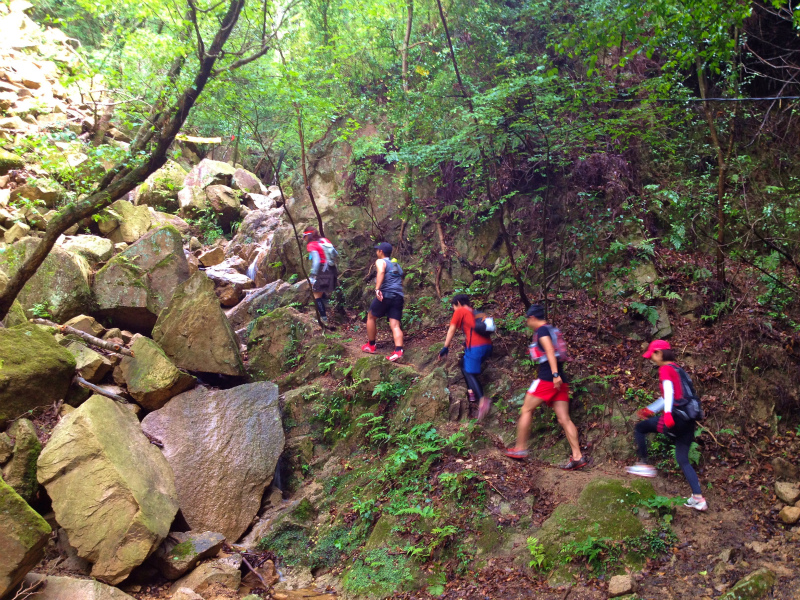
(388, 302)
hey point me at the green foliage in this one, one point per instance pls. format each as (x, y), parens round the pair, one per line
(538, 558)
(208, 223)
(289, 544)
(41, 310)
(377, 574)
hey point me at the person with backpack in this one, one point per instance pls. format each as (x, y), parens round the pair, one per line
(550, 352)
(324, 275)
(477, 328)
(388, 301)
(681, 407)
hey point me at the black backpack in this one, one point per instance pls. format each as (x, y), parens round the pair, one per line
(484, 324)
(690, 405)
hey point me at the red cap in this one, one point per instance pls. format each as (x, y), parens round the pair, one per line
(656, 345)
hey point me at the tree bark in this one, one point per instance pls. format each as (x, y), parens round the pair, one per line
(306, 183)
(124, 177)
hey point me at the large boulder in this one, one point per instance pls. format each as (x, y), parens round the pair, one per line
(20, 472)
(223, 446)
(71, 588)
(60, 285)
(150, 375)
(247, 182)
(266, 299)
(16, 315)
(35, 371)
(427, 401)
(194, 331)
(192, 201)
(276, 342)
(261, 241)
(226, 205)
(209, 172)
(137, 284)
(112, 490)
(133, 221)
(160, 189)
(159, 219)
(229, 284)
(93, 248)
(23, 535)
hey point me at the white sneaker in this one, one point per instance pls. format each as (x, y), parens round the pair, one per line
(642, 470)
(696, 504)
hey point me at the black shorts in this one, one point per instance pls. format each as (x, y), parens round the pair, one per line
(390, 306)
(326, 281)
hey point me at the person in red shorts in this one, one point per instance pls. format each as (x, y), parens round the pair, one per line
(550, 389)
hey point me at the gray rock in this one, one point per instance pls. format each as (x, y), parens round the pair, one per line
(209, 172)
(181, 552)
(784, 470)
(265, 299)
(185, 594)
(93, 248)
(619, 585)
(160, 189)
(223, 446)
(151, 377)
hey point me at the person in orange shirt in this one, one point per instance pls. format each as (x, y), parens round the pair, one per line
(477, 349)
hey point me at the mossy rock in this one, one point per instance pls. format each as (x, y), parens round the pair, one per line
(295, 406)
(368, 371)
(427, 401)
(34, 370)
(60, 285)
(9, 161)
(378, 574)
(756, 585)
(606, 508)
(20, 472)
(319, 359)
(277, 342)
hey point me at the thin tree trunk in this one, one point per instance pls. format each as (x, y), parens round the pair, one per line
(103, 124)
(506, 238)
(406, 41)
(306, 183)
(722, 168)
(123, 178)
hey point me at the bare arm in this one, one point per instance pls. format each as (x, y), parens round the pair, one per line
(380, 265)
(450, 333)
(550, 351)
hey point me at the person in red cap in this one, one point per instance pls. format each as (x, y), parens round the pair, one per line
(675, 423)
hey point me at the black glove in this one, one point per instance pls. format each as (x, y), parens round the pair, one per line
(443, 352)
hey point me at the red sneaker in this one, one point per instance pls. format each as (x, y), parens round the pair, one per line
(369, 349)
(395, 356)
(517, 454)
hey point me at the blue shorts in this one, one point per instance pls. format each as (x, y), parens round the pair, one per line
(473, 357)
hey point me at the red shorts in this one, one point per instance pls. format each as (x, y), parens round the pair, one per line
(547, 391)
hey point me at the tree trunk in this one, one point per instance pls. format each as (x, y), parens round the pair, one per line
(306, 183)
(123, 178)
(103, 124)
(406, 41)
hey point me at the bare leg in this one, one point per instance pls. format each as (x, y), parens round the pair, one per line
(525, 420)
(372, 327)
(562, 413)
(318, 295)
(397, 333)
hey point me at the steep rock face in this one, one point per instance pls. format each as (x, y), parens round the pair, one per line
(275, 341)
(271, 296)
(23, 534)
(20, 472)
(36, 370)
(112, 490)
(427, 401)
(70, 588)
(138, 283)
(223, 446)
(60, 285)
(194, 331)
(151, 377)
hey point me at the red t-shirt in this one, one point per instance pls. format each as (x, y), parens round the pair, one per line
(315, 246)
(666, 372)
(463, 317)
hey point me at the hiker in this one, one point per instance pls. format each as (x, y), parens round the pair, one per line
(477, 347)
(676, 422)
(324, 276)
(388, 301)
(549, 351)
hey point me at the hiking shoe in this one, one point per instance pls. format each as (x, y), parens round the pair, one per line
(517, 454)
(369, 349)
(471, 395)
(576, 464)
(395, 356)
(642, 470)
(692, 502)
(324, 321)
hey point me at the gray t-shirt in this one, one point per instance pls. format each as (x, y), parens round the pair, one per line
(392, 279)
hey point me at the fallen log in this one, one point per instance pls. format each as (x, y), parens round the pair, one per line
(94, 341)
(98, 390)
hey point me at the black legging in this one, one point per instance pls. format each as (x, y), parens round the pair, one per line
(472, 381)
(683, 436)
